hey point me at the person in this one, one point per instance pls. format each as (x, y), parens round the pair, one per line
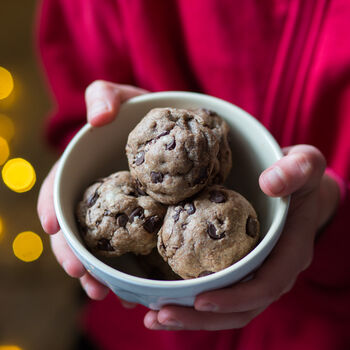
(285, 62)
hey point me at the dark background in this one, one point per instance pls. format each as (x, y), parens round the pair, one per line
(39, 303)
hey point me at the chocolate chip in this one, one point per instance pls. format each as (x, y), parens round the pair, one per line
(136, 212)
(122, 219)
(163, 134)
(178, 211)
(251, 227)
(217, 196)
(212, 232)
(140, 158)
(205, 273)
(92, 199)
(107, 212)
(132, 194)
(97, 223)
(156, 177)
(209, 112)
(104, 244)
(152, 224)
(138, 188)
(191, 209)
(170, 116)
(171, 145)
(141, 192)
(202, 176)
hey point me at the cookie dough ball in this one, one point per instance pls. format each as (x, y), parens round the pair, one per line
(209, 233)
(173, 153)
(223, 163)
(115, 217)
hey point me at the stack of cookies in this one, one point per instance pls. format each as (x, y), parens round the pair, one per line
(172, 198)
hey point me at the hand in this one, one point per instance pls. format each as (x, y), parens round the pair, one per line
(103, 100)
(314, 197)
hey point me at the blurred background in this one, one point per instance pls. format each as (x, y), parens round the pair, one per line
(39, 302)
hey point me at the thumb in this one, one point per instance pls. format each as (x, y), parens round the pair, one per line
(300, 170)
(103, 100)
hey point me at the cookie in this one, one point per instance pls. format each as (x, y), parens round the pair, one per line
(223, 163)
(173, 153)
(208, 233)
(116, 217)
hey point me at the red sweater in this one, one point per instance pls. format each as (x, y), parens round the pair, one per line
(287, 62)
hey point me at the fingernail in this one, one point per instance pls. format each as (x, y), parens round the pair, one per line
(172, 323)
(274, 179)
(98, 107)
(207, 307)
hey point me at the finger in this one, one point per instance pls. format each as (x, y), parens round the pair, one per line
(177, 318)
(273, 279)
(45, 205)
(103, 100)
(299, 170)
(93, 288)
(66, 257)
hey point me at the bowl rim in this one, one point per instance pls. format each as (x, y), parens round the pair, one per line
(78, 248)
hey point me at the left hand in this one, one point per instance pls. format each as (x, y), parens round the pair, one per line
(314, 197)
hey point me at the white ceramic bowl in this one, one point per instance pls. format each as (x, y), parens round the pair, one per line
(97, 152)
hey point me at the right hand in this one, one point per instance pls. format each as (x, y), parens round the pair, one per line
(102, 100)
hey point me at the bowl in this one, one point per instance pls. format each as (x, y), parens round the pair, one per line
(98, 152)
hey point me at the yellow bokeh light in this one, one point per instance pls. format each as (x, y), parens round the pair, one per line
(19, 175)
(6, 83)
(7, 128)
(4, 150)
(10, 347)
(27, 246)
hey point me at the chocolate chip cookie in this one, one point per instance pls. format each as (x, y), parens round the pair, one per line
(223, 163)
(208, 233)
(174, 153)
(116, 217)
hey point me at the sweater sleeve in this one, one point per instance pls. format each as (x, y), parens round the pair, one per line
(76, 49)
(331, 264)
(64, 74)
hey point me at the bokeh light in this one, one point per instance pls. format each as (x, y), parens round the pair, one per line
(19, 175)
(6, 83)
(27, 246)
(7, 128)
(4, 150)
(10, 347)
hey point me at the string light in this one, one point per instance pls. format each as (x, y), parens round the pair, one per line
(27, 246)
(19, 175)
(7, 128)
(4, 150)
(6, 83)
